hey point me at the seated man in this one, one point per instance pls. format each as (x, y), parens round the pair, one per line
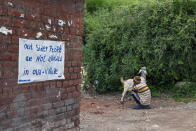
(141, 93)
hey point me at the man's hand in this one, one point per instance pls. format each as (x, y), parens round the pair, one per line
(132, 88)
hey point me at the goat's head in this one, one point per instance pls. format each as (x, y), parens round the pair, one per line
(143, 71)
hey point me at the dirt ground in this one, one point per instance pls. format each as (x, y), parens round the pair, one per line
(105, 113)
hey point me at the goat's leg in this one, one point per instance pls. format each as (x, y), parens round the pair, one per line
(123, 94)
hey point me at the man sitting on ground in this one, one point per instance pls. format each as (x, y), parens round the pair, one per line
(141, 93)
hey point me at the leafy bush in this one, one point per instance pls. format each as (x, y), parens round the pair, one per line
(158, 35)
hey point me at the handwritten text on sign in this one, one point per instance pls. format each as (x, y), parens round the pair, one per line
(40, 60)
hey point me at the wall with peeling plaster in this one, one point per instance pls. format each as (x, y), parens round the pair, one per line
(48, 105)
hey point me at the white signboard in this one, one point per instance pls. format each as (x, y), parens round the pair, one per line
(40, 60)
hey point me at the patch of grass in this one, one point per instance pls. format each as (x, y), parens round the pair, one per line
(184, 93)
(156, 94)
(185, 100)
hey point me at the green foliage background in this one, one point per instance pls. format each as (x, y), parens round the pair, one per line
(121, 37)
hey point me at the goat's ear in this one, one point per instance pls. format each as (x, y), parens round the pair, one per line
(139, 71)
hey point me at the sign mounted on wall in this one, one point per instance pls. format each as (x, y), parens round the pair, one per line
(40, 60)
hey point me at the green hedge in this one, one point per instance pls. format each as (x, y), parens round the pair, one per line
(158, 35)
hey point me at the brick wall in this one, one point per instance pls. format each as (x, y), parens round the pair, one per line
(48, 105)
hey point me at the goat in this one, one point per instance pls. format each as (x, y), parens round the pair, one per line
(128, 84)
